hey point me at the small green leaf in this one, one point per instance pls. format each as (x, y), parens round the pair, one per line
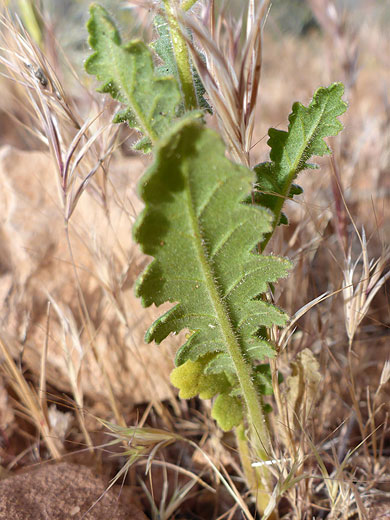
(127, 73)
(264, 379)
(227, 411)
(144, 145)
(291, 150)
(191, 380)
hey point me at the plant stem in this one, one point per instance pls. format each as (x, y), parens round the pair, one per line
(187, 4)
(259, 430)
(254, 476)
(282, 197)
(182, 57)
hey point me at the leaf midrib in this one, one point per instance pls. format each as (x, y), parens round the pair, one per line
(233, 347)
(292, 170)
(132, 103)
(307, 140)
(203, 257)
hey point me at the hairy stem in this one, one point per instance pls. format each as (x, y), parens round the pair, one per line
(254, 476)
(278, 210)
(182, 57)
(260, 435)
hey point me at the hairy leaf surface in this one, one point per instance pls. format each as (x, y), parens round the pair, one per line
(292, 149)
(202, 237)
(127, 73)
(164, 49)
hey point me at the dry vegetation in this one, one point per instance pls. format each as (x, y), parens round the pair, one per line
(74, 368)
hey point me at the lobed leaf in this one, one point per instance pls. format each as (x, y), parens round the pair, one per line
(164, 49)
(127, 73)
(202, 237)
(292, 149)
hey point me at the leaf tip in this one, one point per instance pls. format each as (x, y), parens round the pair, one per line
(100, 25)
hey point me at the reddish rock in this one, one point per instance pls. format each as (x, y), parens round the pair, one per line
(62, 492)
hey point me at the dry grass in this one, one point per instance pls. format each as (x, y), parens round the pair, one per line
(75, 369)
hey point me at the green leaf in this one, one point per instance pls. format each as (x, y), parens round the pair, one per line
(144, 145)
(191, 380)
(202, 237)
(227, 411)
(264, 379)
(127, 73)
(200, 89)
(291, 150)
(164, 49)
